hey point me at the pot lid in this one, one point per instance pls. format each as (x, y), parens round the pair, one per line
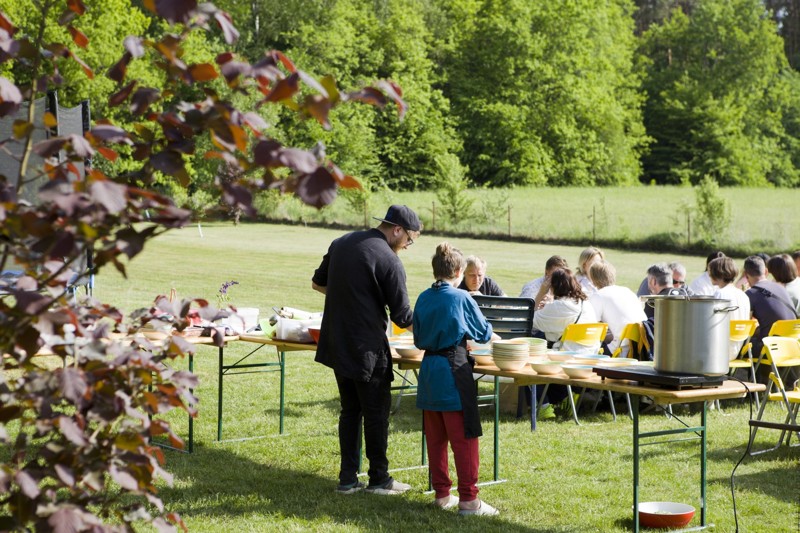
(692, 298)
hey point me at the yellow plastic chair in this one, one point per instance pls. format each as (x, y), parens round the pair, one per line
(742, 331)
(782, 353)
(785, 328)
(587, 334)
(631, 333)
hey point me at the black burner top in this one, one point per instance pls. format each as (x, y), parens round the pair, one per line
(647, 375)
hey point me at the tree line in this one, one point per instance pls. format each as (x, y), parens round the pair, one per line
(517, 93)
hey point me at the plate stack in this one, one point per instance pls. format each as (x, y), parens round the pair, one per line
(537, 347)
(510, 354)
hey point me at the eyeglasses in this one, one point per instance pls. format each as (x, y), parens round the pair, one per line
(678, 282)
(410, 240)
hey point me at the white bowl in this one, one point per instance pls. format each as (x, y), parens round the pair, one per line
(409, 351)
(588, 359)
(510, 364)
(559, 356)
(482, 357)
(546, 367)
(578, 371)
(618, 361)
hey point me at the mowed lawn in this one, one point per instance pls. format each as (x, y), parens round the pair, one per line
(563, 477)
(760, 219)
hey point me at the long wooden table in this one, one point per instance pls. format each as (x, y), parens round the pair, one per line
(660, 396)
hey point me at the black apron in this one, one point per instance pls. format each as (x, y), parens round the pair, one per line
(461, 364)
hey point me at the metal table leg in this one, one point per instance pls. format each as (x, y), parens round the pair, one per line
(282, 361)
(191, 419)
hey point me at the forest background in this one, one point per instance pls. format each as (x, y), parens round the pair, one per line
(508, 98)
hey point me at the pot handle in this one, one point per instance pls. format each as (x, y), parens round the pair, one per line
(728, 309)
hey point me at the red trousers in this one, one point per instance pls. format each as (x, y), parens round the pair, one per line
(442, 427)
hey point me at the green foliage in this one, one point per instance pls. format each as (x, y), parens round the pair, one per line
(545, 94)
(720, 99)
(457, 206)
(713, 211)
(77, 448)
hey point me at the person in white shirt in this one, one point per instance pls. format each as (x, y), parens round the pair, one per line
(569, 306)
(588, 257)
(531, 289)
(722, 272)
(702, 286)
(613, 304)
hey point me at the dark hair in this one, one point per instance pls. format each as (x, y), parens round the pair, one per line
(782, 268)
(565, 285)
(446, 261)
(754, 266)
(764, 256)
(712, 256)
(554, 262)
(723, 269)
(662, 274)
(796, 255)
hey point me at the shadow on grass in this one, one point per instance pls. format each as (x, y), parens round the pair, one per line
(243, 489)
(780, 482)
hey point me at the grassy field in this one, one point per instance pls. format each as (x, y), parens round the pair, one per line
(561, 478)
(647, 217)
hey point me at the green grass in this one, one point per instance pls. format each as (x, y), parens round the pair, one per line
(646, 217)
(560, 478)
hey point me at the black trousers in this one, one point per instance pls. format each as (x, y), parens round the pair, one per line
(370, 401)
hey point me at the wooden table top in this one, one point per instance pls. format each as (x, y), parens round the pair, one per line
(527, 376)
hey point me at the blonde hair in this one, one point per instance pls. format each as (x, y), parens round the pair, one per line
(587, 254)
(447, 261)
(602, 274)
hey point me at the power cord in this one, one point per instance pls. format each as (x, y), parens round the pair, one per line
(744, 455)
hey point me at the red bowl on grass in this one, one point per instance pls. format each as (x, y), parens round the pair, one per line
(665, 514)
(314, 334)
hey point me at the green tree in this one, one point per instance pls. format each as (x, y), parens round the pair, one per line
(720, 97)
(545, 94)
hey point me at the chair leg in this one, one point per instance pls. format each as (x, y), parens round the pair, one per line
(572, 405)
(611, 404)
(628, 401)
(753, 377)
(755, 428)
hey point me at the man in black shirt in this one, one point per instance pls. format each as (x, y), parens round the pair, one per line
(769, 301)
(361, 275)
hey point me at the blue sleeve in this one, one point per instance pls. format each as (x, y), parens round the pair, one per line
(477, 327)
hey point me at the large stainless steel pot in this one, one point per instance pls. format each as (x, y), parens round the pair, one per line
(691, 334)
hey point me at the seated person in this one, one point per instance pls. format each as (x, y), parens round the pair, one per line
(702, 286)
(784, 271)
(678, 279)
(659, 281)
(587, 258)
(530, 290)
(613, 304)
(569, 306)
(722, 272)
(476, 281)
(769, 301)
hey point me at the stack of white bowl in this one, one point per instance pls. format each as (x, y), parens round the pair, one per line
(512, 354)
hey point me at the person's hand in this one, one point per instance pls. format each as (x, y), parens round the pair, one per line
(495, 337)
(474, 292)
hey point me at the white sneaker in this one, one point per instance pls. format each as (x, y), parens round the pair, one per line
(451, 502)
(484, 509)
(390, 488)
